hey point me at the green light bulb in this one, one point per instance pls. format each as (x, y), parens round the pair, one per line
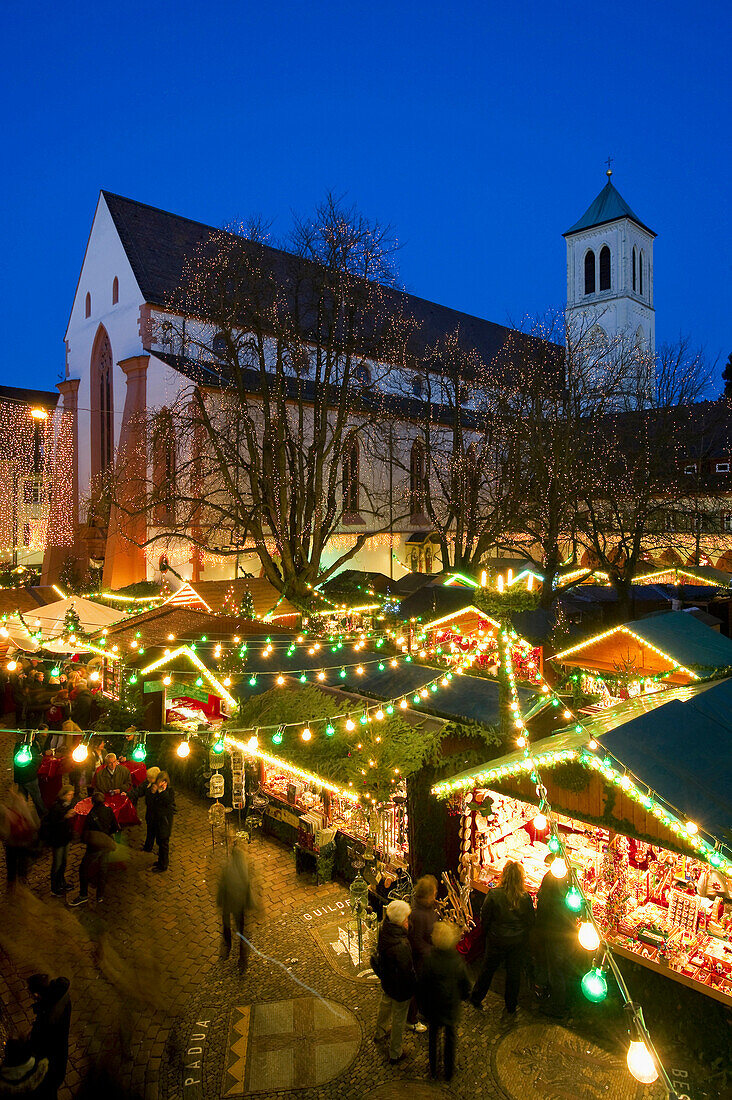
(252, 681)
(408, 657)
(553, 844)
(573, 899)
(390, 709)
(139, 753)
(594, 985)
(381, 666)
(55, 671)
(415, 698)
(23, 755)
(433, 687)
(363, 719)
(329, 730)
(133, 679)
(277, 739)
(342, 674)
(303, 679)
(218, 746)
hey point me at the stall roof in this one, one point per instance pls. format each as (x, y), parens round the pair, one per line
(676, 637)
(50, 619)
(264, 596)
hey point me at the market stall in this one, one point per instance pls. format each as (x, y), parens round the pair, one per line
(658, 881)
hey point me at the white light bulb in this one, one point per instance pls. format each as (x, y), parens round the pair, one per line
(253, 744)
(558, 867)
(80, 753)
(641, 1064)
(588, 936)
(184, 749)
(540, 823)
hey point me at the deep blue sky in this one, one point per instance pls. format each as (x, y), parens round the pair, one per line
(479, 130)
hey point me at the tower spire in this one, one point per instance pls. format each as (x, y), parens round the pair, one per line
(608, 162)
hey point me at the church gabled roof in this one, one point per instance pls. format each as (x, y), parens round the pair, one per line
(158, 244)
(607, 207)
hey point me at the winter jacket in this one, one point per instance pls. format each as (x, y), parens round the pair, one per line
(396, 966)
(422, 920)
(553, 918)
(163, 808)
(100, 819)
(56, 828)
(50, 1031)
(234, 894)
(118, 780)
(505, 926)
(33, 1083)
(442, 985)
(144, 791)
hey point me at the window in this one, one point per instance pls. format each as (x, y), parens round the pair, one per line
(351, 477)
(416, 478)
(362, 375)
(166, 334)
(102, 427)
(690, 468)
(417, 386)
(32, 492)
(590, 272)
(115, 291)
(605, 268)
(635, 263)
(640, 273)
(218, 345)
(722, 467)
(87, 305)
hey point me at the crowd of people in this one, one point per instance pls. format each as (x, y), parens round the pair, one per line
(423, 974)
(32, 695)
(28, 827)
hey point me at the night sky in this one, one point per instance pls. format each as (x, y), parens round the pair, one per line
(478, 130)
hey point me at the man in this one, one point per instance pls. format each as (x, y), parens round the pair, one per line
(237, 898)
(163, 808)
(57, 830)
(99, 829)
(114, 778)
(146, 792)
(555, 928)
(395, 968)
(49, 1035)
(26, 775)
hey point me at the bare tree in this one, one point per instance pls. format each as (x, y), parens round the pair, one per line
(633, 469)
(289, 352)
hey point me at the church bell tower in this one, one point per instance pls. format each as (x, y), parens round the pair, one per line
(610, 271)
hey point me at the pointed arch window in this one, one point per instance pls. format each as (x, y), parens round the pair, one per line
(604, 268)
(102, 426)
(589, 272)
(87, 305)
(640, 272)
(635, 263)
(417, 479)
(351, 480)
(115, 291)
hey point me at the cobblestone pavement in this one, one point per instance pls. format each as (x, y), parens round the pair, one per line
(154, 1002)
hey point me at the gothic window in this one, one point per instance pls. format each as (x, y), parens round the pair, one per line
(164, 468)
(416, 478)
(640, 273)
(605, 268)
(351, 495)
(590, 272)
(362, 375)
(219, 345)
(635, 261)
(115, 291)
(87, 305)
(102, 404)
(417, 386)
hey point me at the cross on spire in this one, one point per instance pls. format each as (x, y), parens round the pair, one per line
(608, 162)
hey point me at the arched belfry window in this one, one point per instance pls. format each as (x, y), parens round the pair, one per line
(640, 272)
(417, 480)
(102, 407)
(87, 305)
(115, 291)
(351, 480)
(604, 268)
(590, 272)
(634, 264)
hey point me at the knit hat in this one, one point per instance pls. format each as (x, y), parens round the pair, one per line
(398, 911)
(152, 774)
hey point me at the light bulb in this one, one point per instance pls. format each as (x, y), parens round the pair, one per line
(81, 752)
(11, 666)
(379, 714)
(253, 743)
(403, 704)
(558, 867)
(166, 681)
(184, 749)
(306, 734)
(138, 753)
(594, 985)
(573, 899)
(349, 724)
(641, 1064)
(692, 828)
(280, 680)
(588, 936)
(94, 675)
(540, 823)
(23, 755)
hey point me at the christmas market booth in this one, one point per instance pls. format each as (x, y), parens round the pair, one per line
(647, 655)
(336, 777)
(657, 880)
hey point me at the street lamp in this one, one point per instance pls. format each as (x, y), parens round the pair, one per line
(39, 414)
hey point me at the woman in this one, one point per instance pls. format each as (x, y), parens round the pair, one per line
(442, 985)
(163, 807)
(507, 917)
(422, 920)
(146, 791)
